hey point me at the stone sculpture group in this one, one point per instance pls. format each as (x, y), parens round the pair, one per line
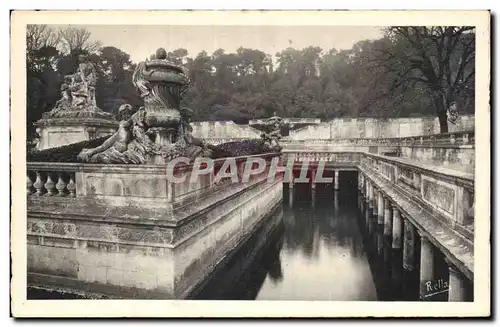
(272, 136)
(155, 133)
(78, 94)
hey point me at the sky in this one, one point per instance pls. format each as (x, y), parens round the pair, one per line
(140, 41)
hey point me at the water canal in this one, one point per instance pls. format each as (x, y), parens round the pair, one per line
(321, 250)
(319, 247)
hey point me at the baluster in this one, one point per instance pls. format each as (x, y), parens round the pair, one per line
(29, 185)
(452, 139)
(38, 184)
(71, 186)
(50, 186)
(61, 185)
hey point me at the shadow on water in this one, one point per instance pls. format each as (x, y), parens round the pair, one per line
(316, 253)
(244, 272)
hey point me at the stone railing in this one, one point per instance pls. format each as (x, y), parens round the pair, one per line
(132, 184)
(49, 179)
(448, 194)
(352, 158)
(447, 139)
(450, 139)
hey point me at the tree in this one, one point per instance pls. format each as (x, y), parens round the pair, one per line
(115, 86)
(42, 80)
(41, 43)
(441, 59)
(77, 40)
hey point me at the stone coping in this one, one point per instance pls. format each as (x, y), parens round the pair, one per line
(454, 246)
(439, 140)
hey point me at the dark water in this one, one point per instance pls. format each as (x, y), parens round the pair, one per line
(322, 251)
(322, 257)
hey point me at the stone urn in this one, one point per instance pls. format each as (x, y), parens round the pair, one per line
(161, 84)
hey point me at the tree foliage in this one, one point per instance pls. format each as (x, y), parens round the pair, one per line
(439, 60)
(411, 71)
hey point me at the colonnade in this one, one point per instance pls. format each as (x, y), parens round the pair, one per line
(402, 235)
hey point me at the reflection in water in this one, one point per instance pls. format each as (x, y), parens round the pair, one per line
(323, 256)
(332, 250)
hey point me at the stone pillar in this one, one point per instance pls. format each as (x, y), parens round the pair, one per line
(290, 191)
(374, 200)
(313, 179)
(387, 218)
(361, 204)
(369, 194)
(456, 284)
(336, 182)
(426, 263)
(397, 229)
(367, 216)
(336, 200)
(367, 190)
(409, 246)
(380, 209)
(380, 241)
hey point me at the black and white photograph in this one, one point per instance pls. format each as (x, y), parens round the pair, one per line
(218, 161)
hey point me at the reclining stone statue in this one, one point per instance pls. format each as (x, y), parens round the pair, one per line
(159, 131)
(131, 144)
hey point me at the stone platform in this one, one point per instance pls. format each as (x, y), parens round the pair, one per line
(128, 232)
(55, 132)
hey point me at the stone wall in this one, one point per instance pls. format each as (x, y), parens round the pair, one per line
(338, 128)
(223, 129)
(378, 128)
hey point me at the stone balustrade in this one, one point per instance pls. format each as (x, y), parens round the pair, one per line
(48, 179)
(447, 139)
(347, 158)
(451, 139)
(70, 180)
(448, 193)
